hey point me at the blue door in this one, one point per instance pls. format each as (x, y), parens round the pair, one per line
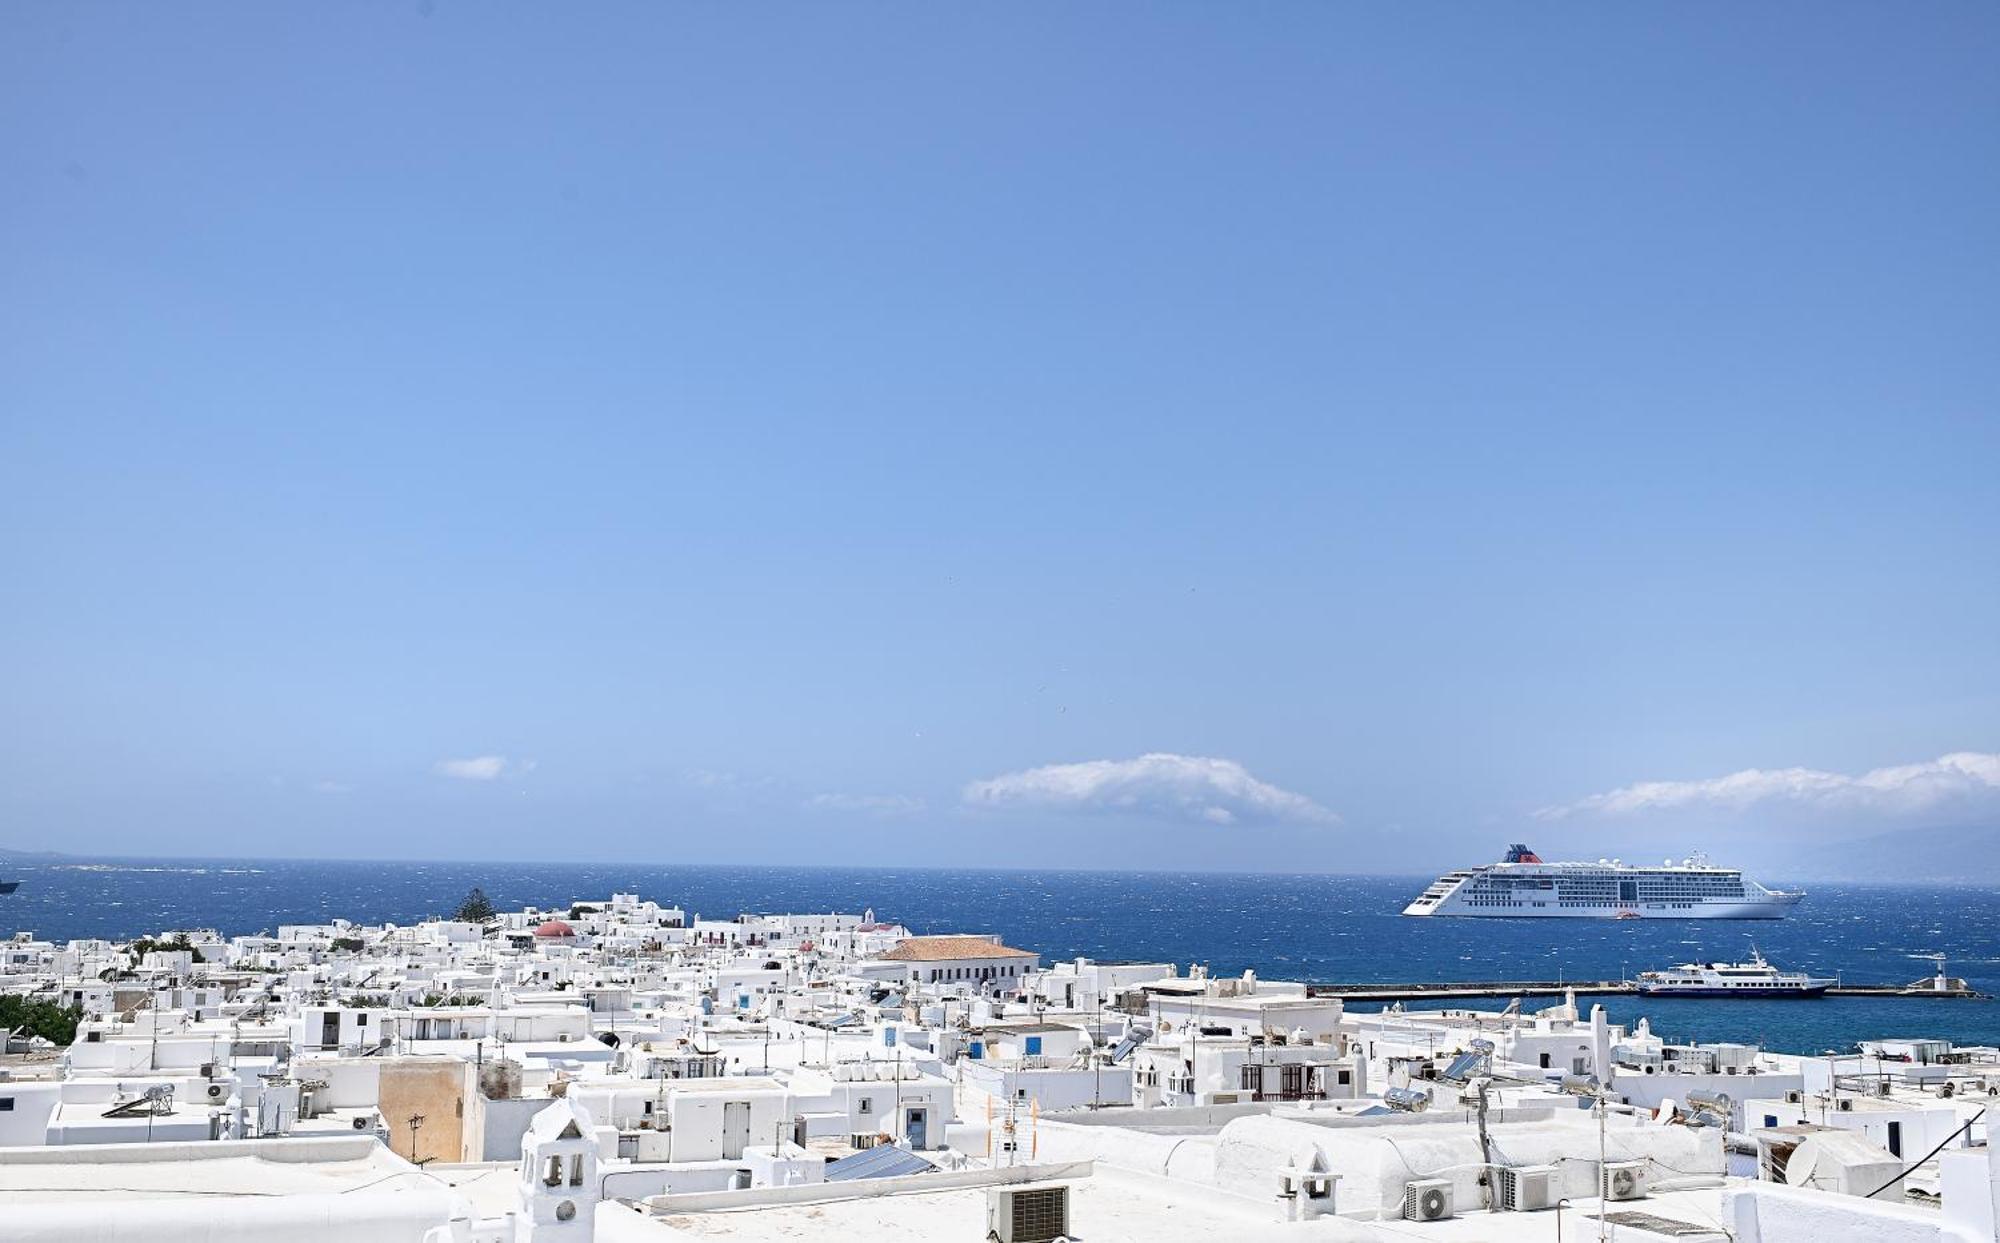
(916, 1128)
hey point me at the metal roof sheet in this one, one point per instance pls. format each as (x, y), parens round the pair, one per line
(884, 1161)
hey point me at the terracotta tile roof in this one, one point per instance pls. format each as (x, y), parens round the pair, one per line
(948, 949)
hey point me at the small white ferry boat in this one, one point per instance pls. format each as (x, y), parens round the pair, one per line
(1756, 978)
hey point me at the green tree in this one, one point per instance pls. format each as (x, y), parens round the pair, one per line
(36, 1017)
(145, 945)
(476, 908)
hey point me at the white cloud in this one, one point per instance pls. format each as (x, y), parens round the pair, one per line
(1189, 787)
(874, 804)
(1903, 788)
(478, 768)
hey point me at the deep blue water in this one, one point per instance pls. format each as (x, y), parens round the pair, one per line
(1283, 927)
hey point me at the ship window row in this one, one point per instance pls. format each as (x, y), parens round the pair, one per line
(1607, 892)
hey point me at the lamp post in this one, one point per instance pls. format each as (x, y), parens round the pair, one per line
(416, 1120)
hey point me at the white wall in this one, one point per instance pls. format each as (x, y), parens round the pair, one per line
(1052, 1090)
(402, 1217)
(697, 1119)
(1764, 1213)
(27, 1123)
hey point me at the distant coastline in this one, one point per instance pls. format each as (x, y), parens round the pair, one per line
(1905, 857)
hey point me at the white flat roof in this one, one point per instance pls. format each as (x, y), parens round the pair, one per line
(1111, 1204)
(89, 1173)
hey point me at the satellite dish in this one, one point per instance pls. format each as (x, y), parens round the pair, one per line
(1799, 1168)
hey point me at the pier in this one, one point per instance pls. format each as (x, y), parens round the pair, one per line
(1469, 989)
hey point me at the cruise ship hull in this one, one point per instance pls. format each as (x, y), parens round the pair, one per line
(1758, 994)
(1722, 910)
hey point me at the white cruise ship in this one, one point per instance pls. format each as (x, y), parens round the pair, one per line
(1522, 886)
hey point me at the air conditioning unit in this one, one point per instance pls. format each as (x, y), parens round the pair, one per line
(1427, 1199)
(1624, 1180)
(1794, 1097)
(218, 1091)
(1029, 1214)
(1527, 1189)
(1844, 1105)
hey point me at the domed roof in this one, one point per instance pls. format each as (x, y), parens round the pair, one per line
(555, 928)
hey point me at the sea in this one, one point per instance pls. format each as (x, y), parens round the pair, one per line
(1287, 927)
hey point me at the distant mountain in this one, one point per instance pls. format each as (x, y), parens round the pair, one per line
(31, 854)
(1961, 855)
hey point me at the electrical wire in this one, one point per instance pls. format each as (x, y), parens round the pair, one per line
(1911, 1168)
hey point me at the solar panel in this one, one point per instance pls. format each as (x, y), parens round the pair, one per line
(1463, 1066)
(1133, 1039)
(885, 1161)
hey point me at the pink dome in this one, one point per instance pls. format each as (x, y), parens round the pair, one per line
(555, 928)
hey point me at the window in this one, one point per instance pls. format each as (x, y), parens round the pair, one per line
(554, 1178)
(6, 1104)
(1292, 1082)
(1033, 1046)
(864, 1105)
(576, 1170)
(361, 1019)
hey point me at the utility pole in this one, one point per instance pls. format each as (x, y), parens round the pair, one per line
(1603, 1155)
(416, 1120)
(1485, 1149)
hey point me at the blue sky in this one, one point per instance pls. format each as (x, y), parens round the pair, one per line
(1305, 436)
